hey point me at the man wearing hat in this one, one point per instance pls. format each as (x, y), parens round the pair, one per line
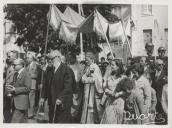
(20, 90)
(33, 69)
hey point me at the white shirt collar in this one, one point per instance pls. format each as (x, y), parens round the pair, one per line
(57, 67)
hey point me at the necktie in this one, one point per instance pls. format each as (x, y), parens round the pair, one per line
(15, 76)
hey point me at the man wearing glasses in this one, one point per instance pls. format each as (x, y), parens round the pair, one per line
(20, 89)
(160, 81)
(60, 101)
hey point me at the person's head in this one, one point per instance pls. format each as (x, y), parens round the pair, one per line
(137, 70)
(105, 64)
(83, 63)
(161, 52)
(50, 63)
(102, 60)
(149, 48)
(55, 56)
(126, 85)
(117, 68)
(129, 61)
(30, 56)
(25, 46)
(159, 64)
(89, 59)
(72, 59)
(110, 57)
(18, 64)
(11, 56)
(143, 61)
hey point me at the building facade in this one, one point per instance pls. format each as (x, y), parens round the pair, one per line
(151, 25)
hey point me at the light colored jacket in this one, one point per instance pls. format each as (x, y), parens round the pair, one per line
(22, 89)
(33, 71)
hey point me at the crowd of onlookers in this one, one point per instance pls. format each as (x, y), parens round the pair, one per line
(107, 92)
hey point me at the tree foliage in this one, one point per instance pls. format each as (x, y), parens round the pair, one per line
(30, 23)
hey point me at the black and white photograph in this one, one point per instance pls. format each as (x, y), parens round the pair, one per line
(72, 63)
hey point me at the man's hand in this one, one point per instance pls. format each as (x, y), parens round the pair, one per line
(41, 102)
(10, 88)
(58, 102)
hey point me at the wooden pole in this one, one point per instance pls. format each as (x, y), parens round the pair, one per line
(126, 38)
(45, 50)
(105, 36)
(156, 29)
(81, 39)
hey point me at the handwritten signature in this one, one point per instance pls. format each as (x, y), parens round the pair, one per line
(151, 116)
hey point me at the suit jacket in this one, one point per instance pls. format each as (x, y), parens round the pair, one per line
(33, 70)
(22, 89)
(9, 75)
(46, 89)
(159, 83)
(61, 86)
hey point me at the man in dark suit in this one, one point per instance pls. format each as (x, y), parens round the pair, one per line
(20, 90)
(46, 89)
(61, 90)
(160, 81)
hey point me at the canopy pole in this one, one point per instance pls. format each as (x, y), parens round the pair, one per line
(105, 37)
(81, 39)
(126, 39)
(46, 42)
(156, 28)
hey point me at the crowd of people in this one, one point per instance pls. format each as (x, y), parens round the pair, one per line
(86, 92)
